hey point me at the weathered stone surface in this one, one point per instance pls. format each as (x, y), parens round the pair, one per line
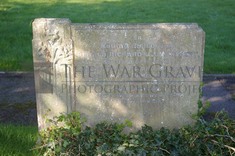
(52, 47)
(147, 73)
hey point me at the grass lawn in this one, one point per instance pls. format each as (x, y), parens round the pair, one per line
(17, 140)
(216, 17)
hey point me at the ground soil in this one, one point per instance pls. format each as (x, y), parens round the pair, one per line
(18, 102)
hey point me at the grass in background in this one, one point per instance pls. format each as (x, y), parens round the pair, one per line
(217, 18)
(17, 140)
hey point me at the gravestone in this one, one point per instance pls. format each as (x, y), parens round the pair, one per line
(146, 73)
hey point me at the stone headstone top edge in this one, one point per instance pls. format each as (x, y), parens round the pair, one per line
(108, 25)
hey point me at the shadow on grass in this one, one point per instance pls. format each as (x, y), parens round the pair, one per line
(16, 19)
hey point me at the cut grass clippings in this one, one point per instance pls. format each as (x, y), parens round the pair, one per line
(217, 18)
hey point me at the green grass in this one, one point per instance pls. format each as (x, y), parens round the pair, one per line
(216, 17)
(17, 140)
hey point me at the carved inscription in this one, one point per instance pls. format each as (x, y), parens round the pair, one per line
(147, 73)
(154, 71)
